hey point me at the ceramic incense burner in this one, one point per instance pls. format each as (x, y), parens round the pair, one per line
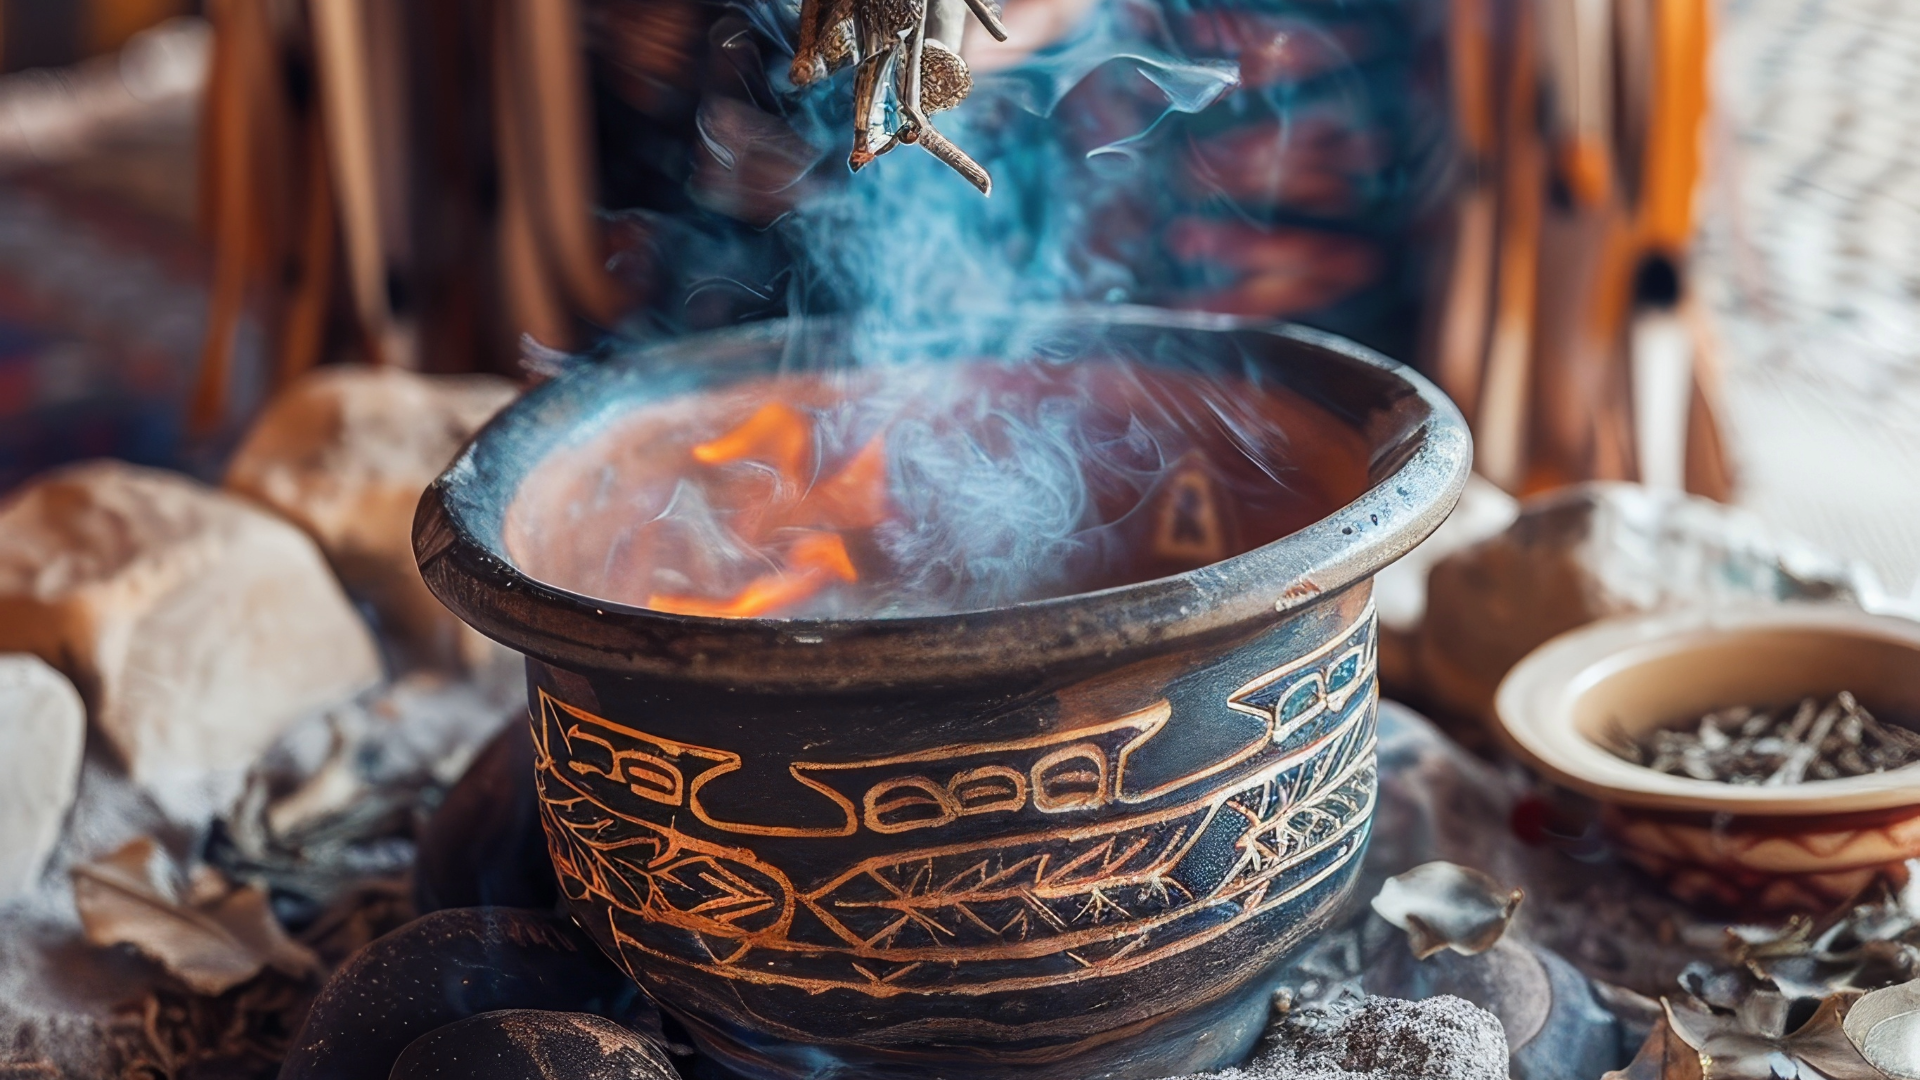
(1065, 838)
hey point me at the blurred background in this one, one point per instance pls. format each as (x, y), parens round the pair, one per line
(1674, 241)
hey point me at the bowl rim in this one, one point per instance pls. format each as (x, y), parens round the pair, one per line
(1534, 703)
(482, 586)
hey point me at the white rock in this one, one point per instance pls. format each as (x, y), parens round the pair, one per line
(1593, 550)
(345, 453)
(43, 728)
(1400, 591)
(196, 626)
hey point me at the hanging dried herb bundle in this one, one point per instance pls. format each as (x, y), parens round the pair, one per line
(907, 54)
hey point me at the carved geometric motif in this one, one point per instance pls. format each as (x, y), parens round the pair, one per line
(1093, 871)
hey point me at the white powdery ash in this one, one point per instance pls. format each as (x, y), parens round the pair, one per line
(1440, 1038)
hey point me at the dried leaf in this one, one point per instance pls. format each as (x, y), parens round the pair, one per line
(212, 938)
(1885, 1027)
(1865, 947)
(1443, 905)
(1752, 1043)
(1748, 944)
(1662, 1057)
(331, 790)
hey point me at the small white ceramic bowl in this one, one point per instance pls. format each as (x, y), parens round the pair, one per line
(1804, 847)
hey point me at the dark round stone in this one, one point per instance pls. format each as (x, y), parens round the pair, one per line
(527, 1044)
(446, 967)
(484, 845)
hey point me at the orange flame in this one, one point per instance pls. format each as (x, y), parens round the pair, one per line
(813, 559)
(856, 496)
(853, 498)
(776, 433)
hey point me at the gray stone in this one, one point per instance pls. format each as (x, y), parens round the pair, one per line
(196, 626)
(43, 729)
(527, 1044)
(1440, 1038)
(344, 453)
(1590, 551)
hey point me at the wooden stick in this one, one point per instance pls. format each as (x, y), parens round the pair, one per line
(305, 327)
(1462, 337)
(340, 48)
(866, 90)
(916, 55)
(1501, 430)
(562, 146)
(936, 144)
(988, 18)
(1470, 56)
(1708, 470)
(237, 48)
(808, 64)
(526, 276)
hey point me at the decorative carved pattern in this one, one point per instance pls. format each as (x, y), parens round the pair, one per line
(1094, 866)
(1769, 866)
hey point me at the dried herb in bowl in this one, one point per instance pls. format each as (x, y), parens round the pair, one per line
(1773, 747)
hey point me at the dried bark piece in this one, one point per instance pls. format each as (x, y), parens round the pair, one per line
(212, 936)
(1750, 1042)
(1443, 905)
(1662, 1057)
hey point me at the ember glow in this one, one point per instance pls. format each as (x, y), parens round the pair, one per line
(800, 525)
(925, 488)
